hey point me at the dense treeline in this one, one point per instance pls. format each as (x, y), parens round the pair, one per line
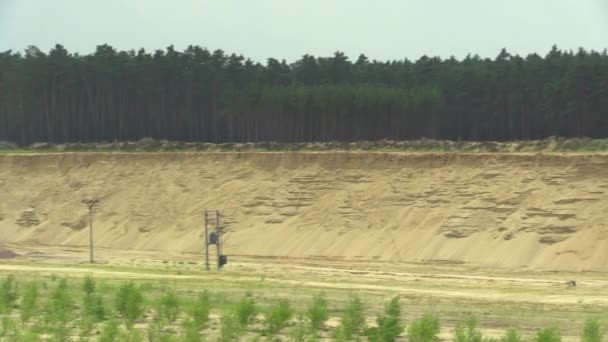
(211, 96)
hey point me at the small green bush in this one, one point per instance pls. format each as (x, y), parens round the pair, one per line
(8, 293)
(389, 323)
(200, 310)
(512, 335)
(468, 331)
(130, 303)
(592, 331)
(424, 329)
(110, 331)
(59, 308)
(278, 316)
(230, 328)
(548, 335)
(352, 320)
(245, 311)
(86, 325)
(92, 303)
(169, 306)
(7, 326)
(191, 332)
(29, 302)
(316, 313)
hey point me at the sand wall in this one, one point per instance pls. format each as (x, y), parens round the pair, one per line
(504, 210)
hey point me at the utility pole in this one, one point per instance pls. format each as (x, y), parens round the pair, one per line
(91, 204)
(214, 238)
(219, 248)
(206, 218)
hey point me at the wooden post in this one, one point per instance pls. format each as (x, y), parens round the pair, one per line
(206, 241)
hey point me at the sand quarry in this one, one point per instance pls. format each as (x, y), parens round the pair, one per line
(497, 236)
(533, 211)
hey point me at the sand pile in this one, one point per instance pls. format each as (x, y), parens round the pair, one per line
(504, 210)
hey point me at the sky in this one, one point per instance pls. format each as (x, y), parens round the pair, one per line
(288, 29)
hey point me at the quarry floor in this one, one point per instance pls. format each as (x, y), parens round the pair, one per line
(499, 298)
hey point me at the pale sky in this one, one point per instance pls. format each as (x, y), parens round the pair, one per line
(381, 29)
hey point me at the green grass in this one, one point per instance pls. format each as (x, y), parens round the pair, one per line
(582, 145)
(230, 305)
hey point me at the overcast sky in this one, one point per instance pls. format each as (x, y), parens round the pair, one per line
(381, 29)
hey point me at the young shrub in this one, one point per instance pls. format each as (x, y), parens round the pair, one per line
(29, 302)
(548, 335)
(92, 303)
(592, 331)
(7, 326)
(230, 328)
(130, 303)
(8, 293)
(86, 325)
(200, 310)
(316, 313)
(110, 332)
(191, 333)
(512, 335)
(59, 311)
(169, 307)
(245, 311)
(468, 331)
(424, 329)
(352, 320)
(278, 316)
(389, 324)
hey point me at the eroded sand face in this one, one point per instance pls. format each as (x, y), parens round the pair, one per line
(498, 210)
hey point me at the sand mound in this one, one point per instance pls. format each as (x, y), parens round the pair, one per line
(504, 210)
(7, 254)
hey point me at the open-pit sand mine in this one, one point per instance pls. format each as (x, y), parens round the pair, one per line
(533, 211)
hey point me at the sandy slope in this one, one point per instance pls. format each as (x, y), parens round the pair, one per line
(540, 211)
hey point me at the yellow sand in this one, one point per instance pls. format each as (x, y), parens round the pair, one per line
(502, 210)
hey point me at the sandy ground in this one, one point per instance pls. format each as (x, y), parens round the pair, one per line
(534, 211)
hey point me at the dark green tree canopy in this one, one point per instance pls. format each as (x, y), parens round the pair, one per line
(214, 96)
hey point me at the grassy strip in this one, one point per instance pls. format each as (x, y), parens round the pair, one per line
(88, 308)
(582, 145)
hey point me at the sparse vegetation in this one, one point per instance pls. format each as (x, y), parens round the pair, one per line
(278, 316)
(424, 329)
(245, 311)
(230, 328)
(389, 323)
(92, 302)
(169, 306)
(468, 331)
(29, 302)
(8, 293)
(548, 335)
(130, 303)
(512, 335)
(352, 320)
(317, 313)
(66, 318)
(60, 311)
(200, 310)
(592, 332)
